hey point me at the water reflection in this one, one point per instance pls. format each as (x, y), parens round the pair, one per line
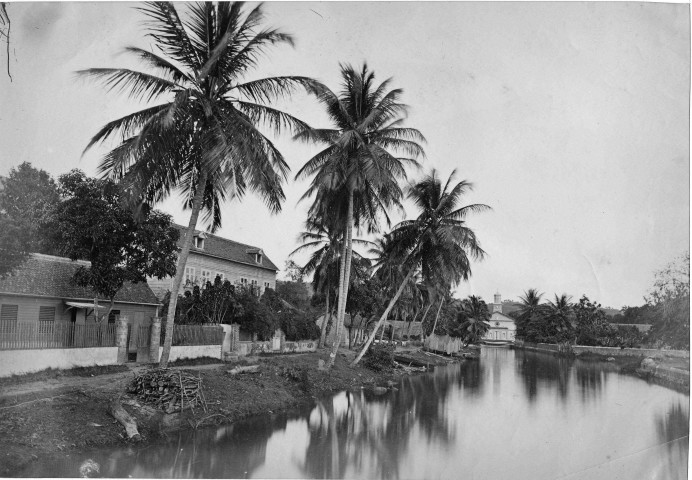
(518, 415)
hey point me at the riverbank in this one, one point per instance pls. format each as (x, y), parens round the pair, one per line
(71, 413)
(671, 371)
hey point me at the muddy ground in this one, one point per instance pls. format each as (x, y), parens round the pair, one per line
(50, 413)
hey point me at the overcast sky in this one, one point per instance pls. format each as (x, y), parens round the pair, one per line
(571, 119)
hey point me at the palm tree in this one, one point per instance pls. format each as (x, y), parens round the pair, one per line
(324, 237)
(201, 136)
(530, 308)
(561, 316)
(474, 316)
(356, 175)
(438, 243)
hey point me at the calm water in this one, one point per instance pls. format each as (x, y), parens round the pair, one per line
(514, 415)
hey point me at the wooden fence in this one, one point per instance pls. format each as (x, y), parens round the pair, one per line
(194, 334)
(36, 335)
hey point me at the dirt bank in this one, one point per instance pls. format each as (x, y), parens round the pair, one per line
(71, 412)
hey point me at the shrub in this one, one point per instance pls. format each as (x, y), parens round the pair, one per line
(379, 358)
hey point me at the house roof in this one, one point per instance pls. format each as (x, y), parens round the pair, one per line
(48, 276)
(228, 250)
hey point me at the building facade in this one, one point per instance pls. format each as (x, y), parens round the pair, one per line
(212, 256)
(502, 327)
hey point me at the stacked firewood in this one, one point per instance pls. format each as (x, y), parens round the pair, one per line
(170, 391)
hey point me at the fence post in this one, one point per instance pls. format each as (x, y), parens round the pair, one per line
(121, 339)
(154, 339)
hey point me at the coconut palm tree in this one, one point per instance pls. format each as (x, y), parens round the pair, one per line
(473, 317)
(324, 237)
(202, 134)
(438, 243)
(561, 315)
(366, 151)
(530, 310)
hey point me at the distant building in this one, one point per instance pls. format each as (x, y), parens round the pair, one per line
(502, 326)
(212, 256)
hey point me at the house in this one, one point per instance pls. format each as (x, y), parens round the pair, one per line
(502, 327)
(41, 293)
(212, 256)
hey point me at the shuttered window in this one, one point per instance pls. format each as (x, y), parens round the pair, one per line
(113, 315)
(46, 314)
(8, 318)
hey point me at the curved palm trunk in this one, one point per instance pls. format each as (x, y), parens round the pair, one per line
(345, 278)
(384, 316)
(180, 268)
(323, 327)
(422, 333)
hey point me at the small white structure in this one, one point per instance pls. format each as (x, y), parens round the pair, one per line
(502, 327)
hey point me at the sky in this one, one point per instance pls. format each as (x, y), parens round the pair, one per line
(571, 120)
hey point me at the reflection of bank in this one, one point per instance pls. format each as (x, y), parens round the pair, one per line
(502, 327)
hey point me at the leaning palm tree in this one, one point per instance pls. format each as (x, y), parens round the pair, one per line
(324, 238)
(356, 176)
(202, 135)
(438, 243)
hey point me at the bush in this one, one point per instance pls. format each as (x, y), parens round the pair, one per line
(379, 358)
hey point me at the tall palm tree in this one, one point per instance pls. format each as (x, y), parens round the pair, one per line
(561, 314)
(530, 308)
(474, 316)
(356, 176)
(201, 136)
(324, 237)
(438, 243)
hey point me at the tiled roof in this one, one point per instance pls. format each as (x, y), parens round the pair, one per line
(48, 276)
(228, 250)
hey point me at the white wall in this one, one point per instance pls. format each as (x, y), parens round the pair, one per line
(193, 351)
(17, 362)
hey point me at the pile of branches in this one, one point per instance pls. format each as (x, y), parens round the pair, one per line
(170, 391)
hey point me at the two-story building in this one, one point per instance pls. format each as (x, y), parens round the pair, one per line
(212, 256)
(502, 327)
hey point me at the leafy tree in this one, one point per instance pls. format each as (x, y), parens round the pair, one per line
(472, 320)
(530, 315)
(202, 135)
(560, 318)
(592, 326)
(438, 242)
(91, 223)
(356, 175)
(670, 299)
(27, 198)
(295, 323)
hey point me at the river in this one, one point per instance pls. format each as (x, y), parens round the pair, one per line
(510, 415)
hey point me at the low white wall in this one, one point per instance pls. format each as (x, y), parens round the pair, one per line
(193, 351)
(17, 362)
(632, 352)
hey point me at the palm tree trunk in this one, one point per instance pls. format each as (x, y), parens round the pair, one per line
(180, 268)
(346, 276)
(384, 316)
(323, 327)
(437, 316)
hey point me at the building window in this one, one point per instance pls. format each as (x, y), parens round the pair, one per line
(46, 314)
(199, 242)
(206, 277)
(253, 282)
(258, 258)
(113, 315)
(266, 284)
(8, 318)
(221, 276)
(189, 275)
(243, 281)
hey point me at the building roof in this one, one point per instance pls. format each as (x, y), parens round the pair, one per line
(48, 276)
(228, 250)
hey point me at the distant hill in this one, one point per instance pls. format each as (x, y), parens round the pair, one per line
(611, 312)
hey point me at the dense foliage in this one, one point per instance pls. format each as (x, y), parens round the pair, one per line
(93, 222)
(27, 199)
(379, 358)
